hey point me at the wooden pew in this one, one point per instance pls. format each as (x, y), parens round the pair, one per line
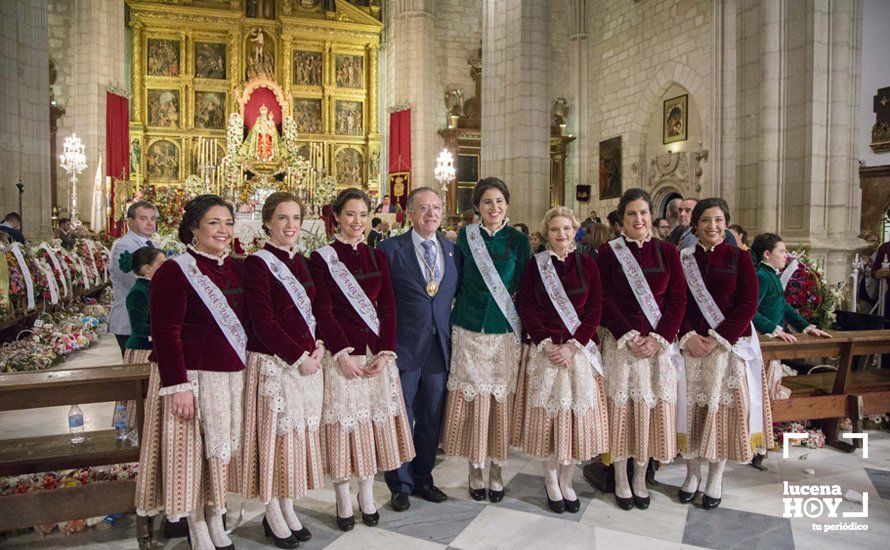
(833, 396)
(31, 390)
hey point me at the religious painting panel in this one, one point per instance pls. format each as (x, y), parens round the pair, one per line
(676, 117)
(307, 115)
(210, 60)
(350, 168)
(260, 9)
(349, 71)
(135, 156)
(348, 118)
(163, 108)
(610, 168)
(163, 57)
(260, 55)
(162, 161)
(210, 110)
(307, 68)
(467, 175)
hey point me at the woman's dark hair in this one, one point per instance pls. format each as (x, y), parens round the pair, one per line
(596, 235)
(490, 183)
(347, 195)
(144, 256)
(743, 235)
(765, 242)
(272, 202)
(522, 227)
(194, 211)
(704, 204)
(633, 194)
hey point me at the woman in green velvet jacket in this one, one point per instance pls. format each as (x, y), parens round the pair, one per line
(774, 312)
(485, 340)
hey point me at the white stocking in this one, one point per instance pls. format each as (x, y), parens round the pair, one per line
(290, 516)
(366, 494)
(693, 475)
(495, 483)
(715, 479)
(276, 520)
(639, 481)
(622, 487)
(551, 481)
(566, 474)
(344, 503)
(476, 481)
(215, 525)
(198, 531)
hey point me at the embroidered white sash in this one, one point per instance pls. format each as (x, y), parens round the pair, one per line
(292, 285)
(82, 268)
(93, 267)
(789, 272)
(560, 300)
(57, 266)
(350, 288)
(492, 278)
(50, 281)
(748, 349)
(219, 308)
(26, 273)
(637, 281)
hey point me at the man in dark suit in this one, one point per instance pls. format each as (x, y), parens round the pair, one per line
(424, 267)
(12, 226)
(375, 236)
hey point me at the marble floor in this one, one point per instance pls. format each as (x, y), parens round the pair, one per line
(749, 517)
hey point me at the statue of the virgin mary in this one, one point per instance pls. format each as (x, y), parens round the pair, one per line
(263, 142)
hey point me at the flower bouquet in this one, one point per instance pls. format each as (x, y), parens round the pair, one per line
(809, 294)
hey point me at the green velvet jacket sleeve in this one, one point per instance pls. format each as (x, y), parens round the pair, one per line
(793, 318)
(762, 321)
(137, 309)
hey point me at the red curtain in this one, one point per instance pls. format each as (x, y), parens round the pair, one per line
(117, 145)
(400, 156)
(261, 96)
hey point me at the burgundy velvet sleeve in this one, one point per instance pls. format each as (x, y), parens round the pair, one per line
(528, 303)
(744, 304)
(168, 302)
(386, 305)
(330, 330)
(611, 277)
(258, 299)
(674, 306)
(593, 307)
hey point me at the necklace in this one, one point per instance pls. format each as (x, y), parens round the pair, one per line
(432, 287)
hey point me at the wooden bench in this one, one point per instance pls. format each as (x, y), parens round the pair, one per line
(31, 390)
(833, 396)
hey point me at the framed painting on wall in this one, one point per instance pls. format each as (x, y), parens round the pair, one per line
(162, 161)
(210, 60)
(676, 117)
(610, 168)
(163, 57)
(163, 108)
(349, 71)
(210, 110)
(348, 118)
(307, 115)
(307, 68)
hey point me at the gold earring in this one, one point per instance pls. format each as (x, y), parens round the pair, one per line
(194, 241)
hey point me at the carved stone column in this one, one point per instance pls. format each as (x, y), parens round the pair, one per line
(372, 90)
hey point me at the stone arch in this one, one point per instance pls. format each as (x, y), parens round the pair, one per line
(669, 74)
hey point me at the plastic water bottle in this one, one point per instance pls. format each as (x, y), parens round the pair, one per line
(120, 420)
(75, 424)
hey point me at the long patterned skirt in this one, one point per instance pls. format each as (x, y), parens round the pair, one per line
(282, 446)
(718, 404)
(366, 428)
(131, 357)
(642, 395)
(185, 464)
(481, 388)
(562, 410)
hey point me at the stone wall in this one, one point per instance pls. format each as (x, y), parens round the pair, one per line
(24, 123)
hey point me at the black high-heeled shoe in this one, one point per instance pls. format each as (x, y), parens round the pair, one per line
(556, 506)
(345, 524)
(641, 502)
(572, 506)
(288, 542)
(371, 520)
(624, 503)
(477, 494)
(496, 496)
(686, 498)
(709, 503)
(302, 535)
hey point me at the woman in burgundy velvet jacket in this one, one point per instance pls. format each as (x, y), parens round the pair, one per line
(641, 380)
(718, 345)
(285, 385)
(195, 391)
(365, 425)
(563, 414)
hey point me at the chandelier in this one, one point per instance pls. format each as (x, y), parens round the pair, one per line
(444, 174)
(74, 161)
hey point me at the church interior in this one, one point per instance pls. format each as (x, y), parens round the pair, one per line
(782, 108)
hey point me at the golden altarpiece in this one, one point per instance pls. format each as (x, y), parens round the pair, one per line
(242, 94)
